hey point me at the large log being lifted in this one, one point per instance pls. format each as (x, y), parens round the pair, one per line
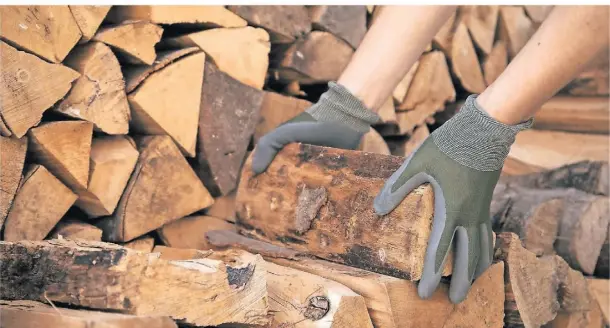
(203, 292)
(88, 19)
(213, 16)
(11, 162)
(320, 200)
(283, 23)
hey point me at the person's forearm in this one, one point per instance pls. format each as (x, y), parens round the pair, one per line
(391, 46)
(568, 39)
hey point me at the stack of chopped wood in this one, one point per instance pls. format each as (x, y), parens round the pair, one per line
(126, 196)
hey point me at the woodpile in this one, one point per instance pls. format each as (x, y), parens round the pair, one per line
(127, 199)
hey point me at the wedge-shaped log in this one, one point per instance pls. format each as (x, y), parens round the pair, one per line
(134, 41)
(538, 13)
(277, 109)
(481, 22)
(373, 142)
(283, 23)
(194, 15)
(104, 276)
(189, 232)
(600, 291)
(400, 91)
(495, 63)
(11, 162)
(515, 28)
(73, 229)
(162, 188)
(575, 114)
(47, 31)
(88, 19)
(464, 62)
(346, 22)
(320, 200)
(29, 87)
(223, 208)
(98, 96)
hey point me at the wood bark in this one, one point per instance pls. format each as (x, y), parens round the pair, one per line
(325, 208)
(515, 28)
(31, 314)
(277, 109)
(373, 142)
(38, 205)
(245, 58)
(72, 229)
(162, 188)
(11, 162)
(400, 91)
(228, 116)
(88, 19)
(496, 62)
(575, 114)
(153, 103)
(98, 96)
(142, 244)
(464, 62)
(210, 16)
(283, 23)
(600, 291)
(29, 87)
(481, 22)
(404, 146)
(223, 208)
(46, 31)
(111, 156)
(189, 232)
(134, 42)
(110, 277)
(345, 22)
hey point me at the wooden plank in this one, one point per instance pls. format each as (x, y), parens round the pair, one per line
(162, 188)
(109, 277)
(98, 96)
(373, 142)
(283, 23)
(73, 229)
(574, 114)
(515, 28)
(142, 244)
(404, 146)
(39, 204)
(189, 232)
(481, 22)
(198, 15)
(11, 162)
(88, 19)
(345, 22)
(223, 208)
(49, 32)
(464, 62)
(277, 109)
(134, 42)
(496, 62)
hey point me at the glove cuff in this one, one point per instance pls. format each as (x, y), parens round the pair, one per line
(339, 105)
(475, 139)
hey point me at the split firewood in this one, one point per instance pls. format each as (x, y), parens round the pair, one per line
(572, 292)
(515, 28)
(223, 208)
(400, 92)
(142, 244)
(111, 156)
(317, 58)
(153, 103)
(189, 232)
(602, 268)
(283, 23)
(388, 126)
(481, 22)
(373, 142)
(109, 277)
(277, 109)
(404, 146)
(335, 189)
(162, 188)
(180, 254)
(600, 291)
(229, 114)
(72, 229)
(29, 87)
(574, 114)
(345, 22)
(593, 80)
(134, 42)
(46, 31)
(245, 58)
(442, 39)
(538, 13)
(464, 62)
(39, 204)
(89, 19)
(98, 96)
(583, 319)
(496, 62)
(11, 162)
(207, 16)
(31, 314)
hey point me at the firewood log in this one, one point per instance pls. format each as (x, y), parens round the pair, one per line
(11, 162)
(223, 208)
(400, 91)
(538, 13)
(373, 142)
(142, 244)
(98, 96)
(602, 268)
(481, 22)
(207, 16)
(189, 232)
(283, 23)
(153, 103)
(442, 39)
(593, 80)
(88, 19)
(600, 290)
(515, 28)
(572, 292)
(574, 114)
(277, 109)
(46, 31)
(180, 254)
(404, 146)
(162, 188)
(39, 204)
(464, 62)
(583, 319)
(134, 42)
(29, 87)
(109, 277)
(73, 229)
(388, 126)
(496, 62)
(345, 22)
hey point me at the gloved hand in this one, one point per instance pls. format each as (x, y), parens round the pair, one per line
(337, 120)
(462, 160)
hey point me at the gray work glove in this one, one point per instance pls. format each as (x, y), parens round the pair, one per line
(337, 120)
(462, 160)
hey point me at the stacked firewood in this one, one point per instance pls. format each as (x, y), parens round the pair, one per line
(127, 197)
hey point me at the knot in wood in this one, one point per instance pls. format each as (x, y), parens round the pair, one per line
(317, 308)
(22, 76)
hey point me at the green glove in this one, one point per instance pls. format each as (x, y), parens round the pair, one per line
(462, 161)
(337, 120)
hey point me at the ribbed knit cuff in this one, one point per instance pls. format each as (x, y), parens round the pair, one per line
(475, 139)
(339, 105)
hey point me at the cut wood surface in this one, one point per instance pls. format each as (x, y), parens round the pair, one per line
(283, 23)
(134, 42)
(345, 22)
(88, 19)
(245, 58)
(600, 291)
(73, 229)
(29, 87)
(481, 22)
(495, 63)
(325, 208)
(442, 39)
(602, 268)
(464, 61)
(515, 28)
(572, 291)
(206, 15)
(31, 314)
(404, 146)
(223, 208)
(190, 232)
(98, 96)
(112, 160)
(538, 13)
(574, 114)
(277, 109)
(39, 204)
(400, 91)
(142, 244)
(64, 148)
(46, 31)
(11, 162)
(162, 188)
(153, 103)
(373, 142)
(228, 116)
(179, 254)
(105, 276)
